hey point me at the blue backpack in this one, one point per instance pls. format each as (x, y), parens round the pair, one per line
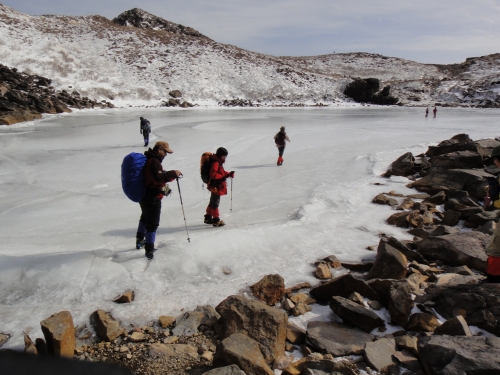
(133, 176)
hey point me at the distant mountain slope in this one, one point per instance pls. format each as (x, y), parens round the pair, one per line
(141, 62)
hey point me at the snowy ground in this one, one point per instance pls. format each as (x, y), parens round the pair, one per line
(68, 231)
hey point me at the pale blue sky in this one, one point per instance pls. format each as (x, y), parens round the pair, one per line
(438, 31)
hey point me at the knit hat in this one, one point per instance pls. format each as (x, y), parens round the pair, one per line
(164, 145)
(221, 151)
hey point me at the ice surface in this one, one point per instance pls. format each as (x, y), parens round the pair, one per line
(68, 231)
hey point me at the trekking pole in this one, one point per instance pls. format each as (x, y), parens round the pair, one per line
(231, 195)
(182, 205)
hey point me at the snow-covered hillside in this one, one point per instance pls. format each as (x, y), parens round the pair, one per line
(138, 58)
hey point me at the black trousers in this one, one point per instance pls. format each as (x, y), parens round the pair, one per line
(214, 201)
(145, 135)
(281, 150)
(151, 211)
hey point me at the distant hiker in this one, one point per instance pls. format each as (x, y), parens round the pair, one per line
(155, 179)
(217, 186)
(434, 111)
(427, 112)
(145, 130)
(280, 139)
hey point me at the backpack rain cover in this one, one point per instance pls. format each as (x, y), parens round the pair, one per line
(133, 176)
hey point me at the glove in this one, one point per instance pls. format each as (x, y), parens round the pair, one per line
(141, 131)
(231, 174)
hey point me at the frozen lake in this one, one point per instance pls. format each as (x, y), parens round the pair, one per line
(68, 231)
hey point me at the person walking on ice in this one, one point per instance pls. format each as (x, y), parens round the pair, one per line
(427, 112)
(155, 179)
(280, 139)
(217, 186)
(434, 111)
(145, 130)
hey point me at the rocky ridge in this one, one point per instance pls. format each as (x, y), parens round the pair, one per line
(174, 56)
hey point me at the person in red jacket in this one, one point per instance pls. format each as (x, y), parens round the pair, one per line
(155, 179)
(217, 186)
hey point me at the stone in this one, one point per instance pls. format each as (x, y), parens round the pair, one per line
(106, 327)
(399, 219)
(477, 303)
(406, 204)
(302, 297)
(419, 232)
(173, 350)
(378, 354)
(295, 334)
(323, 272)
(332, 261)
(486, 146)
(438, 198)
(364, 266)
(422, 322)
(406, 251)
(210, 316)
(471, 180)
(415, 280)
(327, 367)
(418, 196)
(357, 298)
(288, 304)
(451, 218)
(409, 343)
(402, 166)
(460, 355)
(29, 346)
(449, 279)
(343, 286)
(264, 324)
(239, 349)
(375, 305)
(354, 314)
(389, 264)
(397, 296)
(188, 323)
(300, 309)
(171, 340)
(465, 248)
(487, 228)
(481, 218)
(59, 333)
(175, 94)
(461, 270)
(270, 289)
(295, 288)
(41, 346)
(460, 142)
(126, 297)
(408, 361)
(166, 321)
(456, 326)
(458, 159)
(381, 199)
(336, 339)
(226, 370)
(443, 230)
(3, 336)
(138, 337)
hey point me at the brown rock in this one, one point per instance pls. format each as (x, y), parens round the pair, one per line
(106, 327)
(166, 321)
(357, 298)
(365, 266)
(264, 324)
(175, 350)
(29, 346)
(399, 219)
(389, 264)
(175, 94)
(409, 343)
(302, 297)
(239, 349)
(422, 322)
(59, 333)
(296, 288)
(381, 199)
(126, 297)
(270, 289)
(288, 304)
(138, 337)
(343, 286)
(378, 354)
(4, 337)
(300, 309)
(408, 360)
(295, 334)
(354, 314)
(456, 326)
(323, 272)
(451, 218)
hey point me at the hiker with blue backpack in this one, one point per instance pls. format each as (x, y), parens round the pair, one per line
(155, 179)
(214, 175)
(145, 130)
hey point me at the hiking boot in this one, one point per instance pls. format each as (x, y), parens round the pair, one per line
(140, 241)
(216, 222)
(208, 219)
(150, 249)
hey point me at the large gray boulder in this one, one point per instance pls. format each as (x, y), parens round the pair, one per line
(270, 289)
(459, 142)
(471, 180)
(343, 286)
(460, 355)
(402, 166)
(389, 264)
(188, 323)
(458, 159)
(337, 339)
(378, 354)
(355, 314)
(396, 295)
(479, 304)
(460, 249)
(266, 325)
(239, 349)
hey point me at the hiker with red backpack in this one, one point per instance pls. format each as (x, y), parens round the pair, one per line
(214, 175)
(155, 179)
(280, 139)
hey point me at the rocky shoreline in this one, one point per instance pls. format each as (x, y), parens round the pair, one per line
(421, 307)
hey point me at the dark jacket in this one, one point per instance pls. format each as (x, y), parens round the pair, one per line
(280, 139)
(145, 126)
(218, 176)
(155, 177)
